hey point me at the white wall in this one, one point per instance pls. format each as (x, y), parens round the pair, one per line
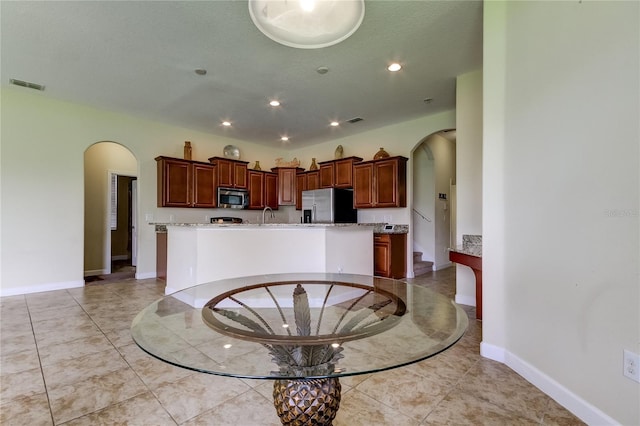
(468, 174)
(561, 199)
(42, 180)
(43, 184)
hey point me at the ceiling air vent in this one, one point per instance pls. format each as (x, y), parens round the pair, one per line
(26, 84)
(355, 120)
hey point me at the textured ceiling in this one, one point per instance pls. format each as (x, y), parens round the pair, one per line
(139, 57)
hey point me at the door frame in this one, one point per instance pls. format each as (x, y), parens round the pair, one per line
(107, 237)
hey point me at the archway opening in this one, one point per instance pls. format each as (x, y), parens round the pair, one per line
(110, 194)
(434, 200)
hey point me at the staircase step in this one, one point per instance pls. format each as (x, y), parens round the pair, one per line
(417, 256)
(422, 267)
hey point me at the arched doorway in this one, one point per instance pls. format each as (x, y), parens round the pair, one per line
(433, 216)
(110, 173)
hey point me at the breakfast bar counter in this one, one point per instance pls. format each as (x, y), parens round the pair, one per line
(200, 253)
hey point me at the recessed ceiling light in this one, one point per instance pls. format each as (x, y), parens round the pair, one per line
(226, 123)
(284, 139)
(322, 70)
(274, 103)
(428, 100)
(394, 67)
(335, 123)
(201, 71)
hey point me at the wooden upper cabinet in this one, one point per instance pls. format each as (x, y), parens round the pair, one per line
(185, 183)
(306, 181)
(338, 173)
(326, 174)
(363, 185)
(231, 173)
(256, 189)
(380, 183)
(263, 190)
(271, 190)
(204, 185)
(287, 193)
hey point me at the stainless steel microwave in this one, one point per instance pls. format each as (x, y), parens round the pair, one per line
(232, 198)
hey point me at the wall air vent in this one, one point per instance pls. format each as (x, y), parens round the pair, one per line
(28, 85)
(355, 120)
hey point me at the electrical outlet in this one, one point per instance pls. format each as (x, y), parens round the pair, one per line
(631, 365)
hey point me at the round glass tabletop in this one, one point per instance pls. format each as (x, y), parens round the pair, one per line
(294, 326)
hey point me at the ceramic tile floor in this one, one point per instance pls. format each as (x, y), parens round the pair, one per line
(67, 358)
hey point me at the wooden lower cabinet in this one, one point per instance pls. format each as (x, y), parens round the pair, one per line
(390, 255)
(161, 255)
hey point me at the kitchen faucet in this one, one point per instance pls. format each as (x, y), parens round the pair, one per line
(265, 210)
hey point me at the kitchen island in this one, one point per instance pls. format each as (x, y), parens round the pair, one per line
(200, 253)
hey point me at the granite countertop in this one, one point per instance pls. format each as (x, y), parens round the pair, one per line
(471, 245)
(378, 228)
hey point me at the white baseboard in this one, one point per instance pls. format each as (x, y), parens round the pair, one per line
(40, 288)
(563, 396)
(493, 352)
(441, 266)
(465, 300)
(145, 275)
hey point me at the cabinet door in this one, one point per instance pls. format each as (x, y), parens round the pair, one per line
(225, 173)
(326, 175)
(381, 256)
(343, 175)
(287, 186)
(204, 185)
(386, 173)
(313, 179)
(174, 183)
(271, 190)
(256, 189)
(363, 185)
(240, 175)
(390, 183)
(301, 185)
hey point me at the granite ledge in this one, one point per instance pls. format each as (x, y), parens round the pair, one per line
(471, 245)
(162, 227)
(378, 228)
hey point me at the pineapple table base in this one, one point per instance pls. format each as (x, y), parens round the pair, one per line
(307, 402)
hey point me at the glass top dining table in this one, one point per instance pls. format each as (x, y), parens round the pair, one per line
(299, 326)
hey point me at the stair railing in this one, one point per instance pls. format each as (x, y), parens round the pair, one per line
(421, 215)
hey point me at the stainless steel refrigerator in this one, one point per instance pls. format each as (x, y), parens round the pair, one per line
(328, 205)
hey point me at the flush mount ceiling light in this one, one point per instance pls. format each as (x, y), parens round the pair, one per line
(394, 67)
(307, 24)
(274, 103)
